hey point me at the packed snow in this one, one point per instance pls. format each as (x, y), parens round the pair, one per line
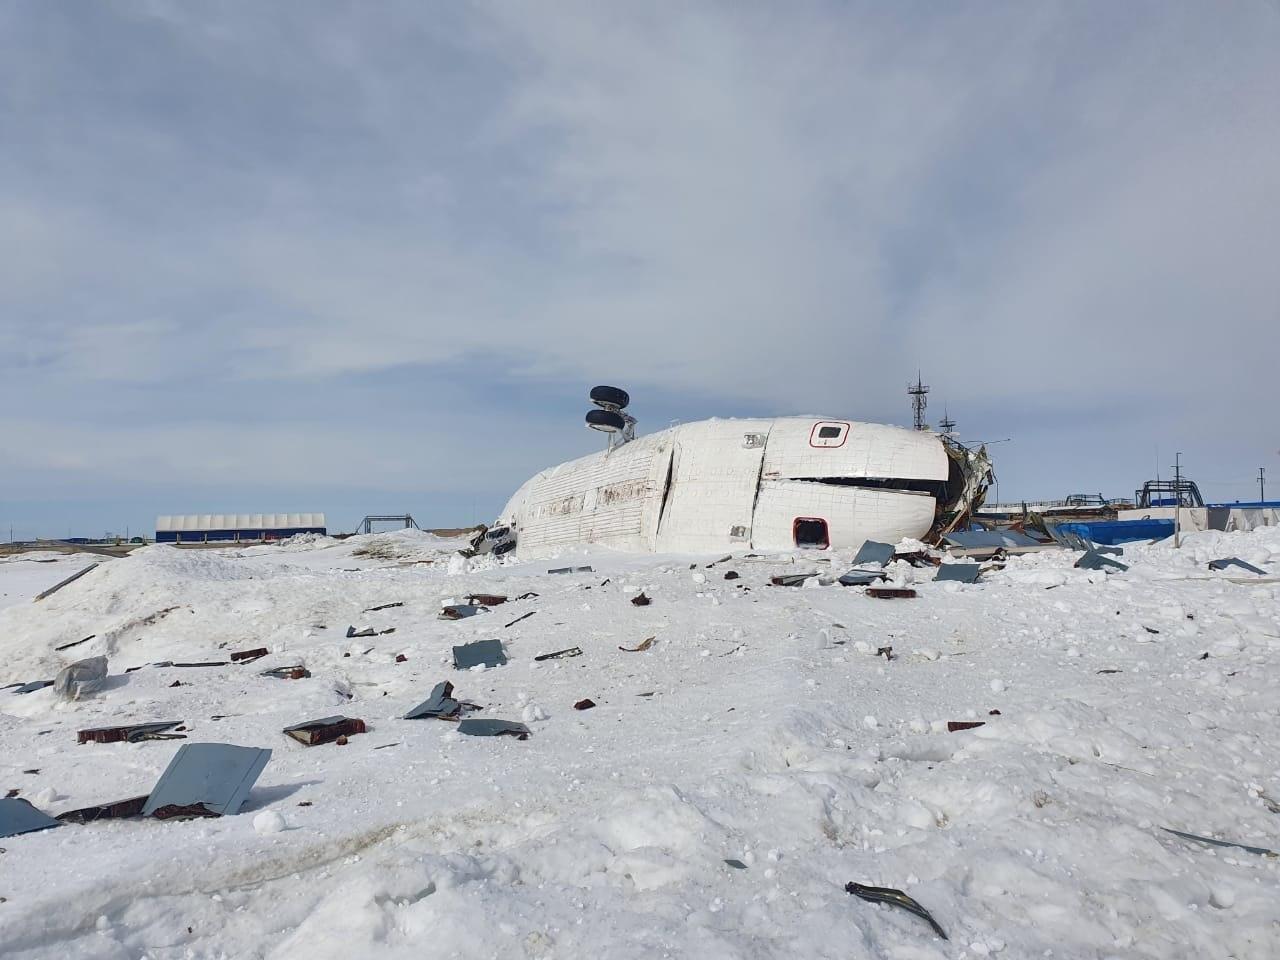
(732, 777)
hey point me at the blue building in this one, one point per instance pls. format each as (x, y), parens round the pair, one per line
(236, 527)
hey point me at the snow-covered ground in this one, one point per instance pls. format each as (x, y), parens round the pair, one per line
(760, 727)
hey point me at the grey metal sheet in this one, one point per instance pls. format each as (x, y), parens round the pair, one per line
(1235, 562)
(33, 686)
(1093, 560)
(493, 728)
(991, 538)
(17, 816)
(861, 578)
(440, 703)
(959, 572)
(218, 775)
(487, 652)
(322, 722)
(872, 551)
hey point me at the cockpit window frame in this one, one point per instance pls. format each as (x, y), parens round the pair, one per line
(825, 443)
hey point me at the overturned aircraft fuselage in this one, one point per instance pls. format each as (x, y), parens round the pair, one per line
(777, 484)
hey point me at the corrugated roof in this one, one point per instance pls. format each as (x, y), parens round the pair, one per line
(238, 521)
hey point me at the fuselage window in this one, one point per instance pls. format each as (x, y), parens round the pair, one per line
(828, 434)
(811, 533)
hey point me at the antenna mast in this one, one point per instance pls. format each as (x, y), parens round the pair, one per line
(919, 395)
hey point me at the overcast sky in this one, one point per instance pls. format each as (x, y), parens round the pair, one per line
(369, 257)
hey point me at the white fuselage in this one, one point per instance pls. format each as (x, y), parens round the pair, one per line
(717, 485)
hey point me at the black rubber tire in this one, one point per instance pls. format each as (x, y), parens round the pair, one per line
(605, 420)
(610, 395)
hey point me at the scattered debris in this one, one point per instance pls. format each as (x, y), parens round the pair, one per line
(959, 572)
(918, 559)
(969, 539)
(731, 575)
(1151, 630)
(248, 656)
(1111, 671)
(441, 705)
(296, 672)
(483, 652)
(644, 645)
(33, 686)
(120, 810)
(493, 728)
(326, 730)
(873, 551)
(401, 658)
(81, 678)
(71, 579)
(1095, 560)
(134, 733)
(459, 611)
(528, 596)
(886, 652)
(736, 864)
(559, 654)
(216, 776)
(486, 599)
(895, 898)
(17, 816)
(363, 632)
(76, 643)
(572, 570)
(953, 726)
(891, 593)
(640, 600)
(518, 619)
(791, 579)
(1235, 562)
(384, 606)
(861, 578)
(726, 557)
(1260, 851)
(584, 704)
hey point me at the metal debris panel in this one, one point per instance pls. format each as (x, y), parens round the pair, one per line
(874, 552)
(217, 775)
(959, 572)
(17, 816)
(486, 652)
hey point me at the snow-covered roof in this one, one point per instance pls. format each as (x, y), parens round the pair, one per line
(238, 521)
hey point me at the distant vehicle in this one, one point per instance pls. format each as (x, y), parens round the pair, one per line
(766, 484)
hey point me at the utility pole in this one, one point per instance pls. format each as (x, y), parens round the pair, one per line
(1262, 485)
(1177, 500)
(919, 394)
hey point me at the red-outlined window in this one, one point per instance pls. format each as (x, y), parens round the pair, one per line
(810, 533)
(828, 434)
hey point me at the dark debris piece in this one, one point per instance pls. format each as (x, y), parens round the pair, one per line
(134, 733)
(76, 643)
(183, 811)
(959, 572)
(559, 654)
(571, 570)
(248, 656)
(384, 606)
(1260, 851)
(486, 599)
(894, 898)
(872, 551)
(119, 810)
(486, 652)
(736, 864)
(1230, 562)
(584, 704)
(366, 632)
(493, 728)
(891, 593)
(861, 578)
(954, 726)
(326, 730)
(1095, 560)
(643, 646)
(731, 575)
(886, 652)
(917, 558)
(518, 619)
(460, 611)
(441, 705)
(33, 686)
(640, 600)
(297, 672)
(791, 579)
